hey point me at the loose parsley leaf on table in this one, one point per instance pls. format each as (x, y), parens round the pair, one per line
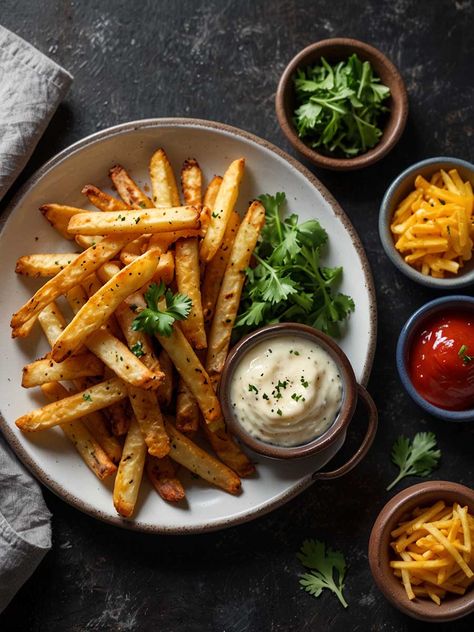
(153, 320)
(417, 458)
(288, 283)
(328, 569)
(340, 106)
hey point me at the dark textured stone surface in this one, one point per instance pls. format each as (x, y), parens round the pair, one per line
(221, 61)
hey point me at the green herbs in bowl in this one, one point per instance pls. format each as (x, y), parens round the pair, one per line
(340, 107)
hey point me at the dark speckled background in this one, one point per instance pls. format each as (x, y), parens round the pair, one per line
(222, 60)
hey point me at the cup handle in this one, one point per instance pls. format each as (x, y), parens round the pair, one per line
(356, 458)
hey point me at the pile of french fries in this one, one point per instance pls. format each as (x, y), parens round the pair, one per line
(433, 226)
(434, 551)
(128, 403)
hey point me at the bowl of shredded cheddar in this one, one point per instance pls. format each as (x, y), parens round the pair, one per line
(426, 222)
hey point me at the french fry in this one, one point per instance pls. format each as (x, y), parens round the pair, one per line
(229, 452)
(188, 281)
(97, 426)
(212, 191)
(166, 387)
(113, 352)
(192, 457)
(163, 183)
(150, 220)
(103, 303)
(43, 265)
(164, 240)
(134, 249)
(87, 241)
(130, 471)
(119, 418)
(162, 475)
(47, 370)
(90, 451)
(223, 207)
(191, 182)
(231, 289)
(73, 274)
(52, 322)
(194, 375)
(128, 190)
(75, 406)
(215, 269)
(102, 200)
(148, 415)
(58, 215)
(187, 410)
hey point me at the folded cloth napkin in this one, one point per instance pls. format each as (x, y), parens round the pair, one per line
(31, 88)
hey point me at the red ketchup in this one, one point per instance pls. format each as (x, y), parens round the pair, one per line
(441, 361)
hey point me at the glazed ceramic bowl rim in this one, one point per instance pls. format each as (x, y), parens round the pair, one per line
(388, 517)
(415, 320)
(385, 216)
(343, 417)
(399, 111)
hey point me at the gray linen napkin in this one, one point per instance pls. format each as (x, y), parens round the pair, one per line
(31, 88)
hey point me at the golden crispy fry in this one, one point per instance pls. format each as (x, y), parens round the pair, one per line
(223, 207)
(162, 475)
(97, 426)
(58, 215)
(150, 220)
(188, 281)
(73, 274)
(103, 303)
(212, 191)
(75, 406)
(102, 200)
(128, 190)
(148, 415)
(52, 322)
(187, 410)
(164, 240)
(130, 472)
(47, 370)
(134, 249)
(194, 375)
(215, 269)
(44, 265)
(191, 182)
(231, 289)
(229, 452)
(165, 389)
(86, 241)
(91, 452)
(195, 459)
(119, 418)
(163, 183)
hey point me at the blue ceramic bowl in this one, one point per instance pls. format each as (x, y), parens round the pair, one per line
(403, 349)
(399, 189)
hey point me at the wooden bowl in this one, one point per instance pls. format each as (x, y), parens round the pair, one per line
(453, 606)
(334, 50)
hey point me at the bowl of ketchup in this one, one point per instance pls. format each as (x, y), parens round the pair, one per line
(435, 357)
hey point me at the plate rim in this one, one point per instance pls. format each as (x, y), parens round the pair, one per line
(122, 128)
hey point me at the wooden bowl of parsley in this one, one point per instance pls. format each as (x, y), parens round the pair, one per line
(342, 104)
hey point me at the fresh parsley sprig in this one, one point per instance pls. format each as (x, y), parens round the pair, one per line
(153, 320)
(289, 283)
(415, 458)
(328, 569)
(340, 106)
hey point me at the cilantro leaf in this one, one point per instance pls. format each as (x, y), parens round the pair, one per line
(154, 320)
(416, 458)
(339, 108)
(288, 283)
(137, 349)
(328, 569)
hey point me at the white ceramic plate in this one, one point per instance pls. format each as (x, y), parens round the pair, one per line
(49, 455)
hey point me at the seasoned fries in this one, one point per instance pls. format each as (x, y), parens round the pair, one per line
(433, 226)
(222, 208)
(110, 379)
(437, 556)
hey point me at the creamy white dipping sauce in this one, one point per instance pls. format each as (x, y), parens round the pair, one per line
(286, 391)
